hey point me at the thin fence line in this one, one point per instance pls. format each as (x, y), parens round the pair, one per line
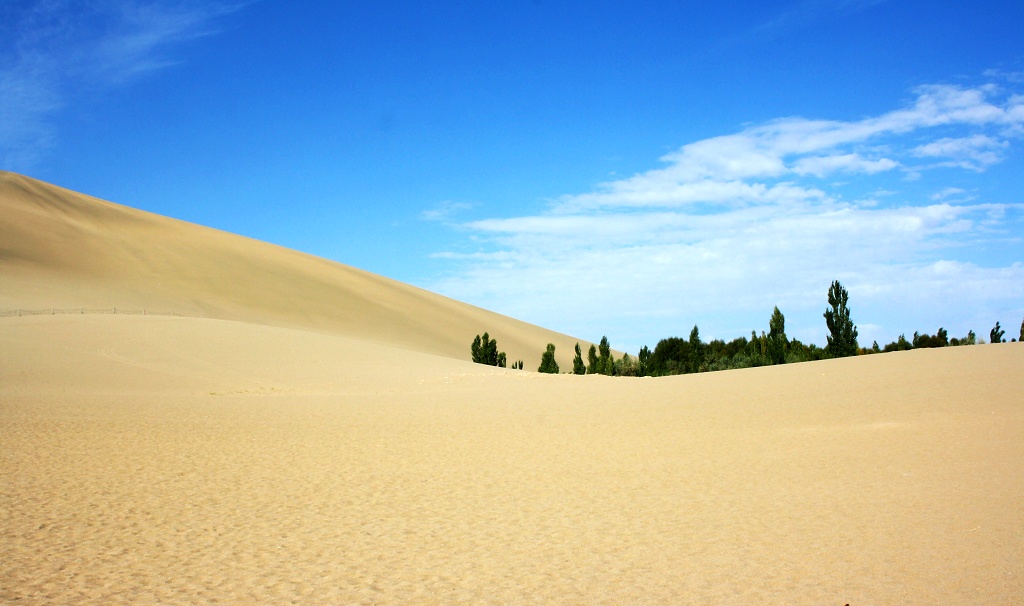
(7, 313)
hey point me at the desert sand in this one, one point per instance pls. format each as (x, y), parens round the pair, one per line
(333, 444)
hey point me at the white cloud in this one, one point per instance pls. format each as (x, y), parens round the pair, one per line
(661, 190)
(821, 166)
(445, 210)
(976, 152)
(950, 192)
(56, 48)
(1016, 77)
(735, 224)
(740, 168)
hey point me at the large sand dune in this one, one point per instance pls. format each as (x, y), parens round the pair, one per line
(250, 457)
(66, 250)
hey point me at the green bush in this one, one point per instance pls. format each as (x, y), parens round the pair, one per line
(485, 351)
(547, 361)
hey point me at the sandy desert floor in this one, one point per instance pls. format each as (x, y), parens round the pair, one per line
(192, 461)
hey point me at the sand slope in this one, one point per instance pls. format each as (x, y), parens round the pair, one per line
(349, 454)
(63, 249)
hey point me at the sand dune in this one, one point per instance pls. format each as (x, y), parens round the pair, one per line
(249, 457)
(63, 249)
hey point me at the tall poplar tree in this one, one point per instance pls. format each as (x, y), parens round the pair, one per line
(842, 337)
(777, 341)
(577, 363)
(605, 363)
(696, 357)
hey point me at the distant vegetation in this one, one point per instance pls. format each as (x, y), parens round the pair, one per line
(485, 351)
(996, 334)
(547, 361)
(675, 355)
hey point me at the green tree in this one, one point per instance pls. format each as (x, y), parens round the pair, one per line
(696, 358)
(493, 356)
(476, 349)
(842, 337)
(605, 363)
(757, 348)
(643, 367)
(547, 361)
(996, 334)
(1021, 338)
(939, 339)
(778, 344)
(578, 367)
(592, 360)
(485, 351)
(626, 367)
(900, 344)
(670, 357)
(970, 339)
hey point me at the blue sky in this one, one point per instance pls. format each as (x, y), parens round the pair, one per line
(599, 168)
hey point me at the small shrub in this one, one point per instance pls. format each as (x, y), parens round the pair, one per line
(484, 350)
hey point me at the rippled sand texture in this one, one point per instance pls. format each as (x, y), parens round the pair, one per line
(177, 460)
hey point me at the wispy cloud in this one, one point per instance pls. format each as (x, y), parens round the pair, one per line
(445, 211)
(804, 13)
(951, 193)
(54, 49)
(1015, 77)
(732, 225)
(976, 152)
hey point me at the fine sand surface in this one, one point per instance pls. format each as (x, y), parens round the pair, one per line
(251, 456)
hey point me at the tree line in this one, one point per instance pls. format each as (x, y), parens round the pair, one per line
(675, 355)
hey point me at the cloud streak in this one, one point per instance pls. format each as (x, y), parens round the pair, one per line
(58, 48)
(805, 13)
(732, 225)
